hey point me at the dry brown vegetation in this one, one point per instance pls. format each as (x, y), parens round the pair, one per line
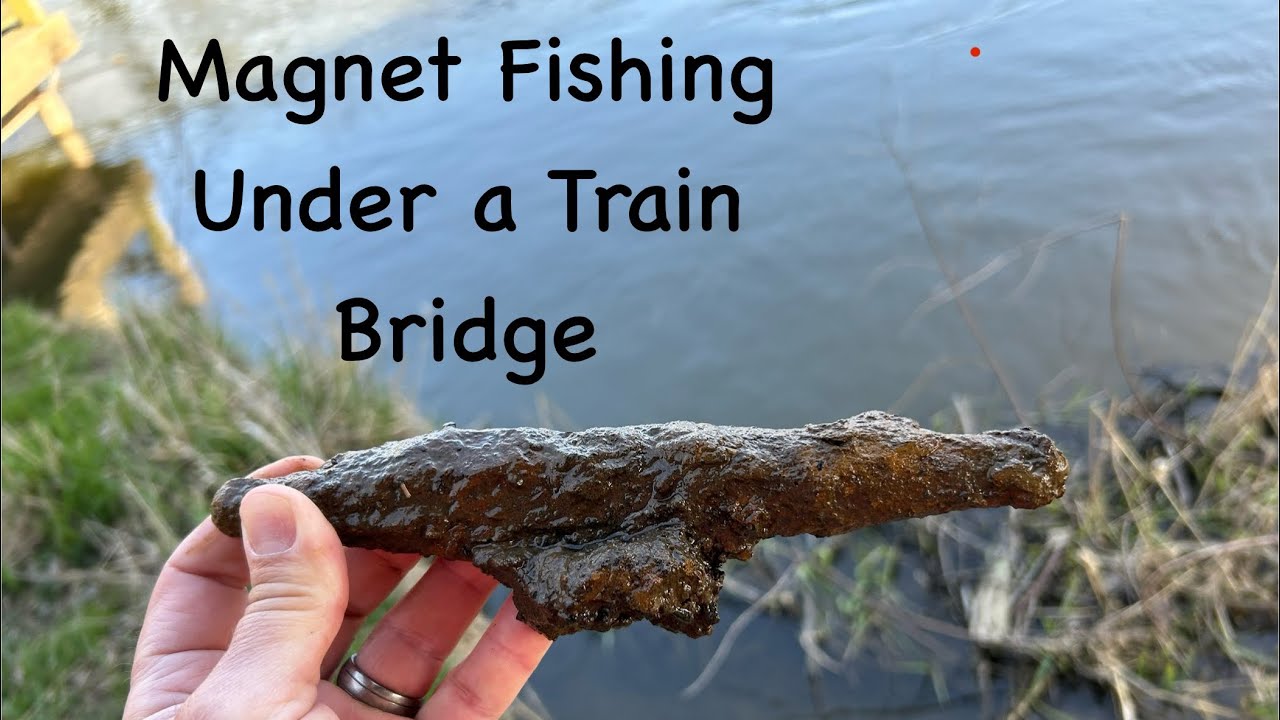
(1154, 578)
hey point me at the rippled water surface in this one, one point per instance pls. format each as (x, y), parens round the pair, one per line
(831, 298)
(892, 159)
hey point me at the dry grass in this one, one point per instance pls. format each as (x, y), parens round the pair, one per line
(1154, 578)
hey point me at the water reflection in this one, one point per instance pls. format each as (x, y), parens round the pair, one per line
(69, 221)
(67, 228)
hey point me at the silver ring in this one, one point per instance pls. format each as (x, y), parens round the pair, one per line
(374, 694)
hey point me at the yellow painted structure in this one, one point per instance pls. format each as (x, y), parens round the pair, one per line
(34, 44)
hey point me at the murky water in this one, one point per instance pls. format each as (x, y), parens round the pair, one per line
(831, 299)
(827, 302)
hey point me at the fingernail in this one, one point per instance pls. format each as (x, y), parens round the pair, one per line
(267, 522)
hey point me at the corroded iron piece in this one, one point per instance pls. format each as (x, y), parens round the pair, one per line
(599, 528)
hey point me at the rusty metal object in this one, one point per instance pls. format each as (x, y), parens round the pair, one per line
(596, 529)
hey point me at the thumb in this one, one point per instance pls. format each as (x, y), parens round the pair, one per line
(297, 596)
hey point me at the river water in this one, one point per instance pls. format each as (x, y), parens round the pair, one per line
(831, 299)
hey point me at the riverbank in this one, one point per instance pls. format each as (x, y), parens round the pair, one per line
(1155, 578)
(112, 447)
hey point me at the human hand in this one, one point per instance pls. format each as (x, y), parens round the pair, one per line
(210, 649)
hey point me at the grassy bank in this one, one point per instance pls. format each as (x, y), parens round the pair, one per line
(111, 449)
(1153, 580)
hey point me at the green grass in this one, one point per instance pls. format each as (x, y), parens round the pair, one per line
(112, 446)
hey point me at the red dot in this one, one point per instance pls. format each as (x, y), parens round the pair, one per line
(975, 51)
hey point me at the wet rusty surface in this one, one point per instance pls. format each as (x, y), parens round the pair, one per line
(600, 528)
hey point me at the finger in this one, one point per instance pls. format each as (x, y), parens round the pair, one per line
(409, 645)
(485, 684)
(287, 465)
(296, 600)
(198, 598)
(371, 576)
